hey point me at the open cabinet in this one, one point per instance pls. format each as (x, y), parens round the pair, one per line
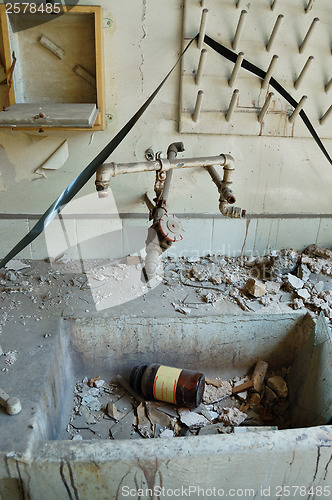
(54, 64)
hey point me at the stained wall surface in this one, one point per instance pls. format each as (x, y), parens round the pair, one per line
(281, 177)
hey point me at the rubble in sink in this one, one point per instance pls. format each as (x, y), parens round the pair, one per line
(107, 411)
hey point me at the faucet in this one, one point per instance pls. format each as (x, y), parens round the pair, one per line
(166, 228)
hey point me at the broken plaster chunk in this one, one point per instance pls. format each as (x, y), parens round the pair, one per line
(232, 416)
(293, 282)
(214, 394)
(191, 419)
(158, 417)
(278, 385)
(143, 423)
(113, 412)
(255, 287)
(216, 382)
(16, 265)
(181, 308)
(259, 375)
(304, 294)
(297, 304)
(167, 433)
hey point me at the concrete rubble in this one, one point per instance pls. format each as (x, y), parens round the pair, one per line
(110, 412)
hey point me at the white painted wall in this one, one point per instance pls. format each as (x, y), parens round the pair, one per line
(274, 175)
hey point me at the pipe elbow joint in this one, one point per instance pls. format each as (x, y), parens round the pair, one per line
(103, 177)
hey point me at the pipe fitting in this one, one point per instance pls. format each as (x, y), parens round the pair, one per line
(103, 177)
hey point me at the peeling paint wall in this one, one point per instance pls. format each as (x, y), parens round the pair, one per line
(274, 176)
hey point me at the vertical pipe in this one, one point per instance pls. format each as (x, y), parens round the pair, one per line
(232, 104)
(274, 32)
(297, 110)
(268, 75)
(309, 6)
(203, 2)
(308, 35)
(198, 105)
(202, 29)
(328, 85)
(201, 65)
(304, 71)
(238, 3)
(236, 69)
(273, 4)
(239, 29)
(325, 116)
(265, 107)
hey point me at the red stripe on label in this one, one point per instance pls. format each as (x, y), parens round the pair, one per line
(154, 387)
(174, 389)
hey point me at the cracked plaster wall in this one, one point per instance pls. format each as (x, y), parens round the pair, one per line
(273, 175)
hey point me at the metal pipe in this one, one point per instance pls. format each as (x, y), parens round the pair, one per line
(268, 75)
(273, 4)
(226, 194)
(304, 71)
(198, 105)
(325, 115)
(232, 105)
(265, 107)
(172, 152)
(236, 69)
(202, 28)
(274, 32)
(108, 170)
(308, 35)
(239, 29)
(201, 65)
(328, 85)
(297, 110)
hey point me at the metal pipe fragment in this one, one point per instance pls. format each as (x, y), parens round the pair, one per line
(308, 35)
(198, 105)
(265, 107)
(239, 29)
(274, 32)
(201, 64)
(232, 105)
(273, 4)
(202, 28)
(325, 115)
(304, 71)
(236, 69)
(297, 110)
(268, 75)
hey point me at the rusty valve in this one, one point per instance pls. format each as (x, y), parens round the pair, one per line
(170, 228)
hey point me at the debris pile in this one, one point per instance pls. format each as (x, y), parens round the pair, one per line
(303, 280)
(107, 411)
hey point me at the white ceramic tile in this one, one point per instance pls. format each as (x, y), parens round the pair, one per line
(58, 237)
(266, 236)
(296, 233)
(324, 236)
(99, 238)
(229, 236)
(197, 238)
(134, 233)
(11, 232)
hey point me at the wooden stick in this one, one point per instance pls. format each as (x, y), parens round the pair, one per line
(259, 375)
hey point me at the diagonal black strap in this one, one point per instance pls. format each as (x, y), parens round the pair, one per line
(232, 56)
(85, 175)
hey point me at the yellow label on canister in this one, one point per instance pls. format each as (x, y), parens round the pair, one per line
(165, 383)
